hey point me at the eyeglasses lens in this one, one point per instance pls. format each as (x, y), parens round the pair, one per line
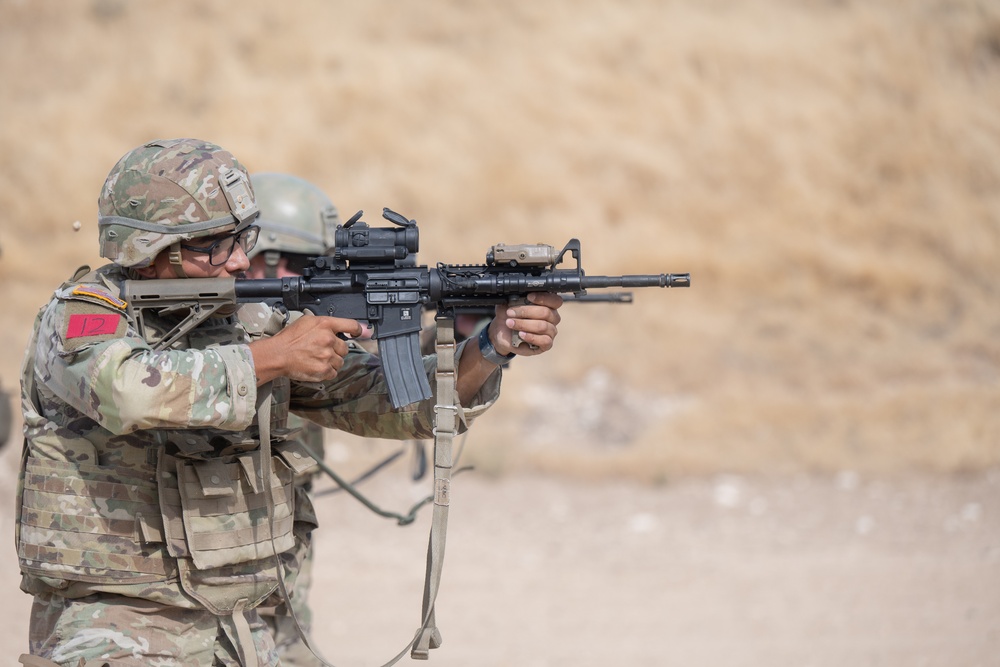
(222, 249)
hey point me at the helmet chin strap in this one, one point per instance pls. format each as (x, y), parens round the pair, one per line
(176, 262)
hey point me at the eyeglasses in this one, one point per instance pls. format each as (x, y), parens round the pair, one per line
(221, 250)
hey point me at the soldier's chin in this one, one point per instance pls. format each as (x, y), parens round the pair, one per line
(226, 311)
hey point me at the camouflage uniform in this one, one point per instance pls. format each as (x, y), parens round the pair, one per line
(141, 528)
(6, 417)
(297, 221)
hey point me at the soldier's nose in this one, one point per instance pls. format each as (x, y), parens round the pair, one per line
(238, 261)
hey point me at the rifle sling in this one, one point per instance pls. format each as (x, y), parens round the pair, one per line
(445, 429)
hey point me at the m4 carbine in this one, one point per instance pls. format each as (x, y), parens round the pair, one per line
(372, 276)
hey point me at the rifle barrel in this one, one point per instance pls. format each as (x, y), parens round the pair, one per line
(661, 280)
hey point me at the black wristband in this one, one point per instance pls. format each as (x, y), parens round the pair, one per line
(489, 352)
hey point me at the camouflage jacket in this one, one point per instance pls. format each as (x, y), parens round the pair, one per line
(140, 470)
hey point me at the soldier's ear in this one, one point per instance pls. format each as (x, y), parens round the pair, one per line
(146, 271)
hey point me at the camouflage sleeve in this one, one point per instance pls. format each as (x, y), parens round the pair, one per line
(115, 378)
(357, 401)
(6, 417)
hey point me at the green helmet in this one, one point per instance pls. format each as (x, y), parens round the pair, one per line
(296, 217)
(169, 191)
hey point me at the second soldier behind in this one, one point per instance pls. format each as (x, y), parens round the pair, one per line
(297, 221)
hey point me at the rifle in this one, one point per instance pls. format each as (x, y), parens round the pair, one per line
(372, 276)
(572, 297)
(610, 297)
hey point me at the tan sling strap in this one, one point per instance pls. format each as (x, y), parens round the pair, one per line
(245, 646)
(445, 429)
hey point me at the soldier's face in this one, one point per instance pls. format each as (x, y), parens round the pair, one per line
(258, 268)
(197, 265)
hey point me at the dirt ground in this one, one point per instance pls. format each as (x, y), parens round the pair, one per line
(722, 571)
(725, 571)
(796, 462)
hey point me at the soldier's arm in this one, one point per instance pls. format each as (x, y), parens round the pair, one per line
(357, 400)
(535, 322)
(307, 350)
(109, 373)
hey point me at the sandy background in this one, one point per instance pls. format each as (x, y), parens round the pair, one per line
(828, 172)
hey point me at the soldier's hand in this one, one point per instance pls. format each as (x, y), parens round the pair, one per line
(309, 349)
(535, 323)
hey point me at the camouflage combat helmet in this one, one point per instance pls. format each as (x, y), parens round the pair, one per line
(296, 217)
(169, 191)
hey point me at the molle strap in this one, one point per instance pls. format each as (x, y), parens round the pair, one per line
(84, 521)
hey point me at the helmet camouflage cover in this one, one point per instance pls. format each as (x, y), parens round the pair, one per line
(295, 216)
(169, 191)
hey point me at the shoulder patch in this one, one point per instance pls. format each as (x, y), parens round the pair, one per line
(86, 323)
(95, 292)
(92, 324)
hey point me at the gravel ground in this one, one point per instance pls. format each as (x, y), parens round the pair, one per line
(727, 571)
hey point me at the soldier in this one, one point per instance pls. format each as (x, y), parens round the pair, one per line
(6, 417)
(297, 221)
(149, 515)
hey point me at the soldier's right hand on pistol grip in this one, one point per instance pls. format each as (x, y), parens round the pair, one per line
(309, 350)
